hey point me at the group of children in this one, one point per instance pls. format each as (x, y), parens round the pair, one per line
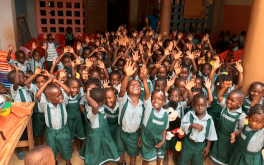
(113, 94)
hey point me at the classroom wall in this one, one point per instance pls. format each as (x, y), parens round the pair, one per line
(236, 15)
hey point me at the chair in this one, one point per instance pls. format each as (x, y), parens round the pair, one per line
(61, 39)
(237, 55)
(223, 55)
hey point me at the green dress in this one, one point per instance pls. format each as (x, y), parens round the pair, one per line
(227, 126)
(215, 109)
(38, 121)
(112, 121)
(75, 118)
(142, 95)
(241, 155)
(151, 136)
(246, 106)
(99, 146)
(68, 70)
(59, 140)
(191, 150)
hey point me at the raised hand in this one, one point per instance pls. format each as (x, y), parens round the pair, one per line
(105, 84)
(38, 70)
(228, 84)
(178, 55)
(190, 37)
(100, 64)
(15, 67)
(71, 50)
(79, 46)
(10, 47)
(44, 46)
(44, 72)
(170, 82)
(167, 52)
(158, 65)
(72, 63)
(189, 85)
(87, 40)
(135, 56)
(177, 68)
(190, 55)
(129, 69)
(239, 67)
(206, 37)
(33, 45)
(143, 73)
(216, 64)
(66, 49)
(207, 83)
(62, 73)
(88, 63)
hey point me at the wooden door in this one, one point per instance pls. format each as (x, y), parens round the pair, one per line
(95, 15)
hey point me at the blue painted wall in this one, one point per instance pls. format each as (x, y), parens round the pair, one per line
(21, 7)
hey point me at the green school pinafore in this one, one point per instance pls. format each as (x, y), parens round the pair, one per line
(215, 109)
(68, 70)
(38, 120)
(112, 121)
(241, 155)
(191, 150)
(227, 126)
(246, 107)
(75, 119)
(99, 146)
(151, 136)
(142, 95)
(24, 135)
(127, 142)
(59, 140)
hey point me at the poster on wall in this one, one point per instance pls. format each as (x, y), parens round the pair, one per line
(194, 9)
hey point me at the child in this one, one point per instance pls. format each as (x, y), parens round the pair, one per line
(21, 64)
(74, 115)
(115, 79)
(254, 90)
(58, 136)
(69, 37)
(155, 123)
(231, 121)
(51, 49)
(40, 155)
(4, 92)
(111, 108)
(250, 140)
(198, 127)
(35, 58)
(99, 147)
(19, 93)
(130, 117)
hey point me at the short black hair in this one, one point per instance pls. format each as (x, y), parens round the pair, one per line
(185, 66)
(50, 87)
(94, 70)
(207, 64)
(65, 56)
(256, 83)
(98, 94)
(11, 76)
(163, 80)
(40, 75)
(86, 48)
(115, 72)
(158, 91)
(174, 89)
(36, 153)
(256, 109)
(173, 104)
(35, 51)
(20, 52)
(240, 93)
(113, 89)
(222, 78)
(73, 79)
(94, 81)
(198, 96)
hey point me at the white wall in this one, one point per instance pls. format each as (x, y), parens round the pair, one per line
(31, 18)
(8, 27)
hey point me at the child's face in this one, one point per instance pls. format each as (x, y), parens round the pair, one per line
(64, 79)
(175, 96)
(102, 74)
(220, 86)
(66, 62)
(186, 61)
(55, 96)
(49, 39)
(115, 79)
(198, 83)
(3, 89)
(184, 73)
(110, 99)
(86, 53)
(233, 101)
(99, 56)
(80, 68)
(200, 106)
(160, 85)
(120, 65)
(94, 60)
(162, 72)
(157, 100)
(36, 56)
(180, 84)
(167, 64)
(206, 69)
(256, 121)
(74, 88)
(94, 75)
(40, 81)
(21, 58)
(254, 91)
(134, 88)
(22, 78)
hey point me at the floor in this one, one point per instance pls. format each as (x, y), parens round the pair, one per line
(77, 161)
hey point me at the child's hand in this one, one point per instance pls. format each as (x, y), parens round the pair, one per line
(170, 83)
(143, 73)
(10, 47)
(72, 64)
(167, 52)
(100, 64)
(66, 49)
(15, 67)
(62, 73)
(87, 40)
(178, 55)
(189, 85)
(207, 83)
(216, 64)
(129, 69)
(88, 92)
(53, 35)
(228, 84)
(78, 61)
(206, 152)
(88, 63)
(45, 73)
(180, 35)
(38, 70)
(233, 138)
(198, 127)
(33, 45)
(79, 46)
(206, 37)
(135, 56)
(44, 46)
(200, 61)
(239, 67)
(139, 141)
(158, 65)
(71, 50)
(190, 38)
(159, 144)
(190, 55)
(105, 84)
(150, 54)
(54, 61)
(177, 68)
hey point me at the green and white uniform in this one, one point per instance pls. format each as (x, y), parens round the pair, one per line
(246, 104)
(58, 136)
(249, 148)
(154, 123)
(75, 118)
(130, 119)
(142, 95)
(99, 146)
(229, 123)
(194, 143)
(112, 118)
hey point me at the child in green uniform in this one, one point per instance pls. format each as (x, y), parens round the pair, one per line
(58, 136)
(130, 116)
(20, 93)
(250, 140)
(155, 123)
(232, 120)
(111, 108)
(38, 119)
(254, 90)
(200, 131)
(215, 109)
(99, 146)
(73, 110)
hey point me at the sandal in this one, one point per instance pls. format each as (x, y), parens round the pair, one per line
(20, 155)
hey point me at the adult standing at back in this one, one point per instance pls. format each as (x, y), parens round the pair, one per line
(153, 19)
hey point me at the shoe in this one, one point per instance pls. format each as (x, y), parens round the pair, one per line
(20, 155)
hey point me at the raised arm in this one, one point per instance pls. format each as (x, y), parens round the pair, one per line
(191, 57)
(239, 83)
(16, 82)
(222, 91)
(32, 77)
(10, 50)
(38, 94)
(101, 65)
(92, 103)
(66, 88)
(143, 76)
(32, 50)
(216, 65)
(208, 85)
(257, 98)
(188, 87)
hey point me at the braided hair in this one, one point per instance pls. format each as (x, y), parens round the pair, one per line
(256, 109)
